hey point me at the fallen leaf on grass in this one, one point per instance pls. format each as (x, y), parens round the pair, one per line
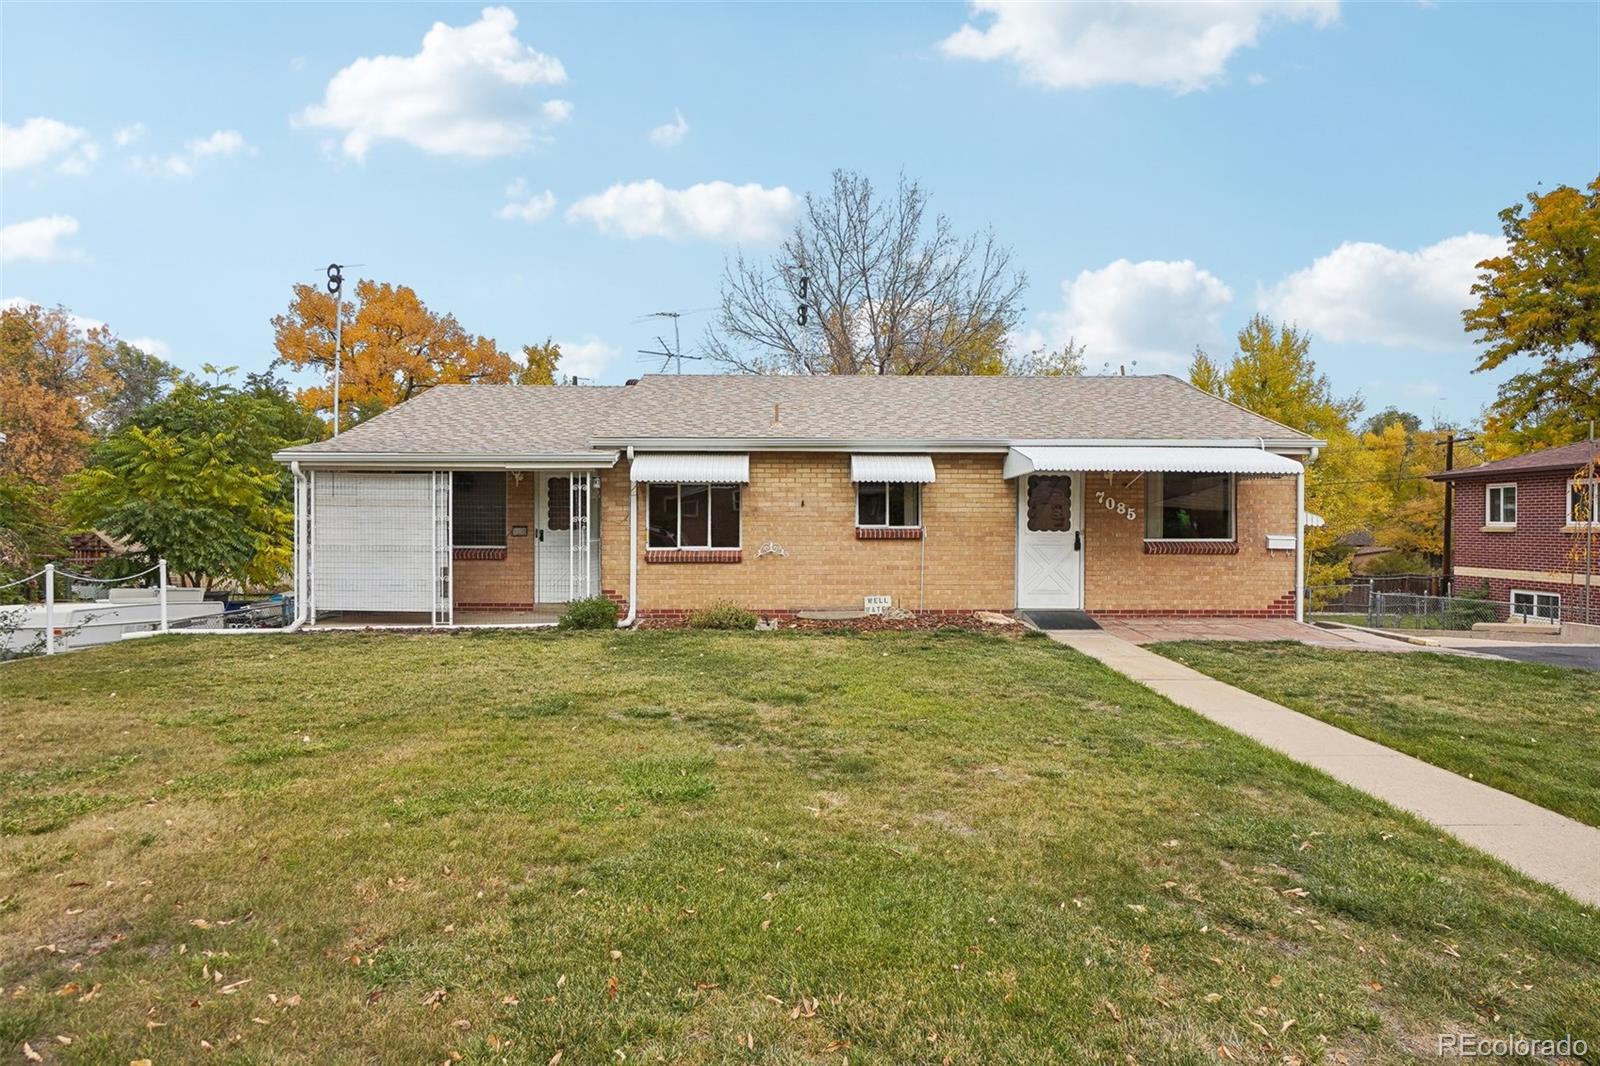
(30, 1054)
(435, 998)
(555, 1059)
(509, 1001)
(613, 987)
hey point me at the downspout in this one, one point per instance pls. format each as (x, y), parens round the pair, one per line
(300, 576)
(633, 549)
(1300, 546)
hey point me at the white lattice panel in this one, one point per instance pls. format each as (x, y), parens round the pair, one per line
(373, 542)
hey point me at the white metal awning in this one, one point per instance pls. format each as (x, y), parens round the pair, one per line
(1314, 521)
(897, 468)
(710, 468)
(1139, 459)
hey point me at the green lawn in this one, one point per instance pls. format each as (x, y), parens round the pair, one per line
(681, 847)
(1528, 729)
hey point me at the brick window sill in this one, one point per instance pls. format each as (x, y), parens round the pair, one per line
(1191, 547)
(1500, 528)
(693, 555)
(494, 554)
(888, 532)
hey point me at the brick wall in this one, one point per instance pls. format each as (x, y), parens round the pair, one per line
(805, 504)
(1121, 579)
(506, 582)
(1537, 555)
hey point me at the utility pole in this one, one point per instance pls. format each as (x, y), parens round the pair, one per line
(1449, 446)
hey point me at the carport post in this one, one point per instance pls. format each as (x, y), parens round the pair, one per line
(49, 608)
(161, 590)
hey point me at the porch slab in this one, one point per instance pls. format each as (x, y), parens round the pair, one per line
(542, 614)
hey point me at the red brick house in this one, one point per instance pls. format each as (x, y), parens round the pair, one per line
(1525, 529)
(499, 504)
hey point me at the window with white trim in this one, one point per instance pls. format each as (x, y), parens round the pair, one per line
(1583, 497)
(1536, 606)
(1500, 505)
(1188, 506)
(478, 509)
(888, 504)
(692, 516)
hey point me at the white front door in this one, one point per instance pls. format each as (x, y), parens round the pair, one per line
(1050, 541)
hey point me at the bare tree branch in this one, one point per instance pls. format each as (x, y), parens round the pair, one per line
(890, 291)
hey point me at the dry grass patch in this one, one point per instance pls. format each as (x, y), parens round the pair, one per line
(697, 847)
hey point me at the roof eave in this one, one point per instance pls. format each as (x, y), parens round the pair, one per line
(1298, 445)
(445, 460)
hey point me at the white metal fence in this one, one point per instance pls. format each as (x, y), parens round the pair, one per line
(57, 624)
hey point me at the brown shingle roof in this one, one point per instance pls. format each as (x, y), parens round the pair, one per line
(511, 419)
(1569, 457)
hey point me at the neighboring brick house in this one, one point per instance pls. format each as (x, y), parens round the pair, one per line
(498, 504)
(1521, 530)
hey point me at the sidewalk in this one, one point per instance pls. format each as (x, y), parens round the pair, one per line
(1542, 844)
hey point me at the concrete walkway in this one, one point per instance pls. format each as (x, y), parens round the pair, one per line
(1542, 844)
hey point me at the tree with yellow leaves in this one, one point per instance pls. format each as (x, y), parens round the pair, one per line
(393, 347)
(1541, 300)
(1272, 374)
(54, 379)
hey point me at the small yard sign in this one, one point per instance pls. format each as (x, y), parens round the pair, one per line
(876, 604)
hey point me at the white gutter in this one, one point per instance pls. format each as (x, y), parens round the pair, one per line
(633, 549)
(445, 460)
(1296, 445)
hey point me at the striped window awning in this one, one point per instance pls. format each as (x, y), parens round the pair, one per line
(903, 469)
(708, 468)
(1146, 459)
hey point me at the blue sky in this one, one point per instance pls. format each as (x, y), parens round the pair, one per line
(1162, 172)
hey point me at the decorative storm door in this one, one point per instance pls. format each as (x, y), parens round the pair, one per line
(566, 555)
(1050, 541)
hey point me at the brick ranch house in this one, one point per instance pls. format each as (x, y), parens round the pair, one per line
(498, 504)
(1521, 530)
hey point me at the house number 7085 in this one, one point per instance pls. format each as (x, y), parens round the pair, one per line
(1117, 506)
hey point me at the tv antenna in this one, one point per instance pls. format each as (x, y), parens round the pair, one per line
(336, 290)
(666, 354)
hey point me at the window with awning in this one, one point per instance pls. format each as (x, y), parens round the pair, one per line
(708, 468)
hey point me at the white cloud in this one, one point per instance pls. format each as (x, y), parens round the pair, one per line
(1366, 293)
(1154, 311)
(218, 145)
(159, 349)
(524, 207)
(713, 210)
(41, 141)
(1178, 46)
(38, 238)
(467, 92)
(587, 358)
(670, 133)
(132, 133)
